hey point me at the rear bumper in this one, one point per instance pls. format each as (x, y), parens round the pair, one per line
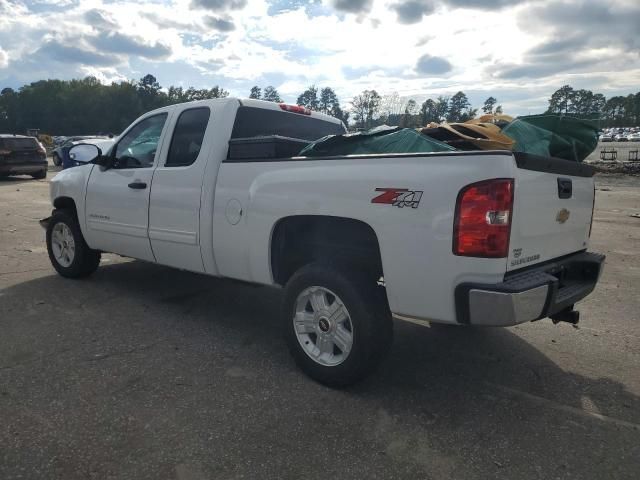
(530, 294)
(22, 168)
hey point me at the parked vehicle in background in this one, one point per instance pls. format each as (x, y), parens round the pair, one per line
(475, 238)
(605, 137)
(60, 154)
(621, 137)
(104, 144)
(634, 137)
(22, 155)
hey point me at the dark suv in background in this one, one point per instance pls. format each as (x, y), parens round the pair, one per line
(20, 155)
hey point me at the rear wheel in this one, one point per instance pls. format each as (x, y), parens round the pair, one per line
(69, 253)
(57, 161)
(335, 324)
(40, 175)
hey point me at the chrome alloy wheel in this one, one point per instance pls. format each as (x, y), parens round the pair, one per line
(323, 326)
(62, 244)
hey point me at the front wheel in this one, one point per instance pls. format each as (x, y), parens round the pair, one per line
(335, 324)
(57, 161)
(69, 253)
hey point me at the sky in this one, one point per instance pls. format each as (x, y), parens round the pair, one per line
(519, 51)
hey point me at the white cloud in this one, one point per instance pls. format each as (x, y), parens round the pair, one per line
(4, 58)
(436, 48)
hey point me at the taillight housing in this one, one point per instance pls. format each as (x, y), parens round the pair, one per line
(593, 209)
(482, 222)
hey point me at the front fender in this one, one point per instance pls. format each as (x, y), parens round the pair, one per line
(71, 183)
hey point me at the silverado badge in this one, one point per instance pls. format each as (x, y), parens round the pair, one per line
(563, 215)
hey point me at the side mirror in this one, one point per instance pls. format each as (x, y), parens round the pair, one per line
(84, 153)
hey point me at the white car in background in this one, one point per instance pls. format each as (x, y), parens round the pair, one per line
(634, 137)
(104, 144)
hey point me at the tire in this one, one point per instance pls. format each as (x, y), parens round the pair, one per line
(57, 161)
(40, 175)
(64, 236)
(315, 329)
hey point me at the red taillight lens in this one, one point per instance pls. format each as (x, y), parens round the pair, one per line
(295, 109)
(482, 223)
(593, 209)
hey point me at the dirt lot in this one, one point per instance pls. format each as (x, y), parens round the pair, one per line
(142, 372)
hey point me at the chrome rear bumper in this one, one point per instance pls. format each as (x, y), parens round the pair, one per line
(530, 294)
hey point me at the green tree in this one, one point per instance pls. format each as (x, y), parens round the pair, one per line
(428, 112)
(458, 105)
(442, 108)
(271, 95)
(489, 103)
(366, 107)
(309, 98)
(256, 92)
(329, 102)
(561, 101)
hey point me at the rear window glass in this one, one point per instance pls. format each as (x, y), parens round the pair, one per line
(14, 144)
(258, 122)
(187, 137)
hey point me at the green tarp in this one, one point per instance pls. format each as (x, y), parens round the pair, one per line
(553, 136)
(382, 139)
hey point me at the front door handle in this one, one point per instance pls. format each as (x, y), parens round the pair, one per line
(138, 185)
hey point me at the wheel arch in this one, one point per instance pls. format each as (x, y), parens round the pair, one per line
(298, 240)
(67, 203)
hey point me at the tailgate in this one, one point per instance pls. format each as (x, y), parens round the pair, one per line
(553, 204)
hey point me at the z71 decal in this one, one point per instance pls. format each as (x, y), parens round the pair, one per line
(398, 197)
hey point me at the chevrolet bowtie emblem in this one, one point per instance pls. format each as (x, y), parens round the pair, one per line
(563, 215)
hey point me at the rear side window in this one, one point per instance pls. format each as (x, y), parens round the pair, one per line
(259, 122)
(187, 137)
(17, 144)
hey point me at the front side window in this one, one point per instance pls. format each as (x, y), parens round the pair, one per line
(187, 137)
(137, 149)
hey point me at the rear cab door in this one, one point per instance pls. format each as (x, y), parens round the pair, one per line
(175, 204)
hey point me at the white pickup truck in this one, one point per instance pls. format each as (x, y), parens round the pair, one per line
(487, 238)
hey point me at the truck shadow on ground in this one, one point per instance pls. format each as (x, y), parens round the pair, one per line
(222, 339)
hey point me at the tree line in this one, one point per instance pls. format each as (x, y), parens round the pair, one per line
(617, 111)
(370, 109)
(87, 106)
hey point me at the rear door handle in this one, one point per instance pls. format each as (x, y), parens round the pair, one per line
(138, 185)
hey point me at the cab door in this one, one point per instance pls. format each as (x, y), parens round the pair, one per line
(117, 202)
(174, 211)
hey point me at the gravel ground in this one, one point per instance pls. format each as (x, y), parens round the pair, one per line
(143, 372)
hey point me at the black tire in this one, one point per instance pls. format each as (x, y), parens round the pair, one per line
(57, 161)
(368, 312)
(85, 260)
(40, 175)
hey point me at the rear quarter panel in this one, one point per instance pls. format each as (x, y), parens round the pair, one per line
(420, 269)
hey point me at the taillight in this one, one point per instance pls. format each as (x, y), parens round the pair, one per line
(482, 222)
(295, 109)
(41, 149)
(593, 208)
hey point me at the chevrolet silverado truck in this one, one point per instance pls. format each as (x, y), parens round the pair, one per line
(486, 238)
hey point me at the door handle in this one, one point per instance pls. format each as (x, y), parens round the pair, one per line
(137, 185)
